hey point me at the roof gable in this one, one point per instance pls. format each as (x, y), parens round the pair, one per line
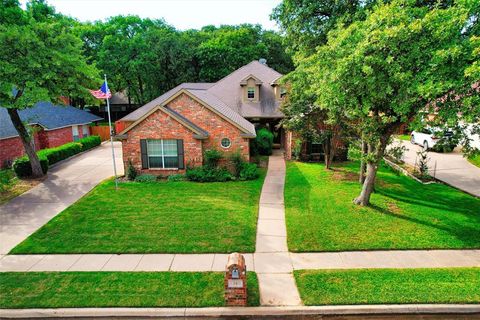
(210, 102)
(244, 81)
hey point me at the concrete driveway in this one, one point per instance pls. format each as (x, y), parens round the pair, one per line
(65, 184)
(451, 168)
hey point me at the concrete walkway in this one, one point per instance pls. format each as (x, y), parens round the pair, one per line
(451, 168)
(272, 259)
(268, 265)
(65, 184)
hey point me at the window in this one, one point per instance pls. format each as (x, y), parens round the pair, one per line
(226, 143)
(283, 92)
(162, 154)
(85, 131)
(317, 148)
(251, 93)
(75, 134)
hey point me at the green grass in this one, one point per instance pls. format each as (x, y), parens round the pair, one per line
(404, 214)
(405, 137)
(162, 217)
(475, 160)
(389, 286)
(11, 186)
(116, 289)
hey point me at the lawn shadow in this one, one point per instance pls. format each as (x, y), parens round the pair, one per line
(439, 197)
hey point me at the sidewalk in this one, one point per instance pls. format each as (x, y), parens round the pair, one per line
(65, 184)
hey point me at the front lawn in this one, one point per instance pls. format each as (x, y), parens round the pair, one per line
(404, 214)
(159, 217)
(116, 289)
(475, 160)
(11, 186)
(388, 286)
(405, 137)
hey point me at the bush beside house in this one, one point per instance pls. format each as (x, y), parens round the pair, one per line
(22, 167)
(263, 143)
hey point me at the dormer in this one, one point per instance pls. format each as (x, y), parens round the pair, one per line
(251, 88)
(278, 89)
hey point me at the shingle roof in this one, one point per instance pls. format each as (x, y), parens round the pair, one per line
(137, 114)
(230, 92)
(222, 108)
(48, 116)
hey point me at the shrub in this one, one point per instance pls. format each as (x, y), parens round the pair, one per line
(22, 167)
(297, 149)
(90, 142)
(146, 178)
(206, 174)
(237, 162)
(397, 153)
(177, 177)
(263, 143)
(60, 153)
(131, 171)
(422, 164)
(249, 171)
(211, 158)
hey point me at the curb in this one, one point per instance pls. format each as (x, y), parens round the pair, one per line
(393, 309)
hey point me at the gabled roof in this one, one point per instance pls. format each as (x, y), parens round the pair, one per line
(229, 91)
(204, 98)
(244, 81)
(48, 116)
(199, 132)
(137, 114)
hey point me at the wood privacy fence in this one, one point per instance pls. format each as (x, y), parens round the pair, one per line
(102, 131)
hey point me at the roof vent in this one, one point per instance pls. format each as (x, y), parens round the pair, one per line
(262, 61)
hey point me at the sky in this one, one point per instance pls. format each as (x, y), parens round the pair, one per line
(182, 14)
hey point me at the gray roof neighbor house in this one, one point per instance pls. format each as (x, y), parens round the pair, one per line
(46, 115)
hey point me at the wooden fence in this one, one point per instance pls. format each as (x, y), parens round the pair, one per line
(102, 131)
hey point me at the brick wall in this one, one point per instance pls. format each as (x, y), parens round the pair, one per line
(58, 137)
(161, 126)
(217, 127)
(10, 149)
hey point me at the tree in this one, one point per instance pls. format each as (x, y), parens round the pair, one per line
(305, 117)
(40, 60)
(379, 73)
(306, 23)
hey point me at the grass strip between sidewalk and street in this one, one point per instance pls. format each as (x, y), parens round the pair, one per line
(389, 286)
(117, 289)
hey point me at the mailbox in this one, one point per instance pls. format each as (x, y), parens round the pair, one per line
(236, 281)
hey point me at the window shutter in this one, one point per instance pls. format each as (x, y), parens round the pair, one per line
(181, 157)
(143, 151)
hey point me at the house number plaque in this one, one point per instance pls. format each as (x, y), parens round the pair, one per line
(235, 283)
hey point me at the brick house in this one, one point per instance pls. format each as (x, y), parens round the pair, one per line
(51, 125)
(171, 132)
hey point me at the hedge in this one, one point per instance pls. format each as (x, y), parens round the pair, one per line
(47, 157)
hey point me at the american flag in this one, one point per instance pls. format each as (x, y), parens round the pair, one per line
(103, 93)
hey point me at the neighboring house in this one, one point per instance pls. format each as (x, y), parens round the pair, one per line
(51, 125)
(120, 106)
(171, 132)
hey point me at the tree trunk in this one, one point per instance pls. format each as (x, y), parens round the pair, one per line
(37, 171)
(372, 166)
(363, 166)
(327, 150)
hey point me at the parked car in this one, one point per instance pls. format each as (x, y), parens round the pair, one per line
(429, 137)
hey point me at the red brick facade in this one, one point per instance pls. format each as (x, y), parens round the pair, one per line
(159, 125)
(12, 148)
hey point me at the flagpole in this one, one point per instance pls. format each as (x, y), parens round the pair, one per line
(111, 135)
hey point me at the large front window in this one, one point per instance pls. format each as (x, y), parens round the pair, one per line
(162, 154)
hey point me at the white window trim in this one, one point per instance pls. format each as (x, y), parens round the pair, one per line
(162, 156)
(229, 145)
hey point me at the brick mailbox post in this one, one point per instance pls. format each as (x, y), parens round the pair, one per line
(236, 281)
